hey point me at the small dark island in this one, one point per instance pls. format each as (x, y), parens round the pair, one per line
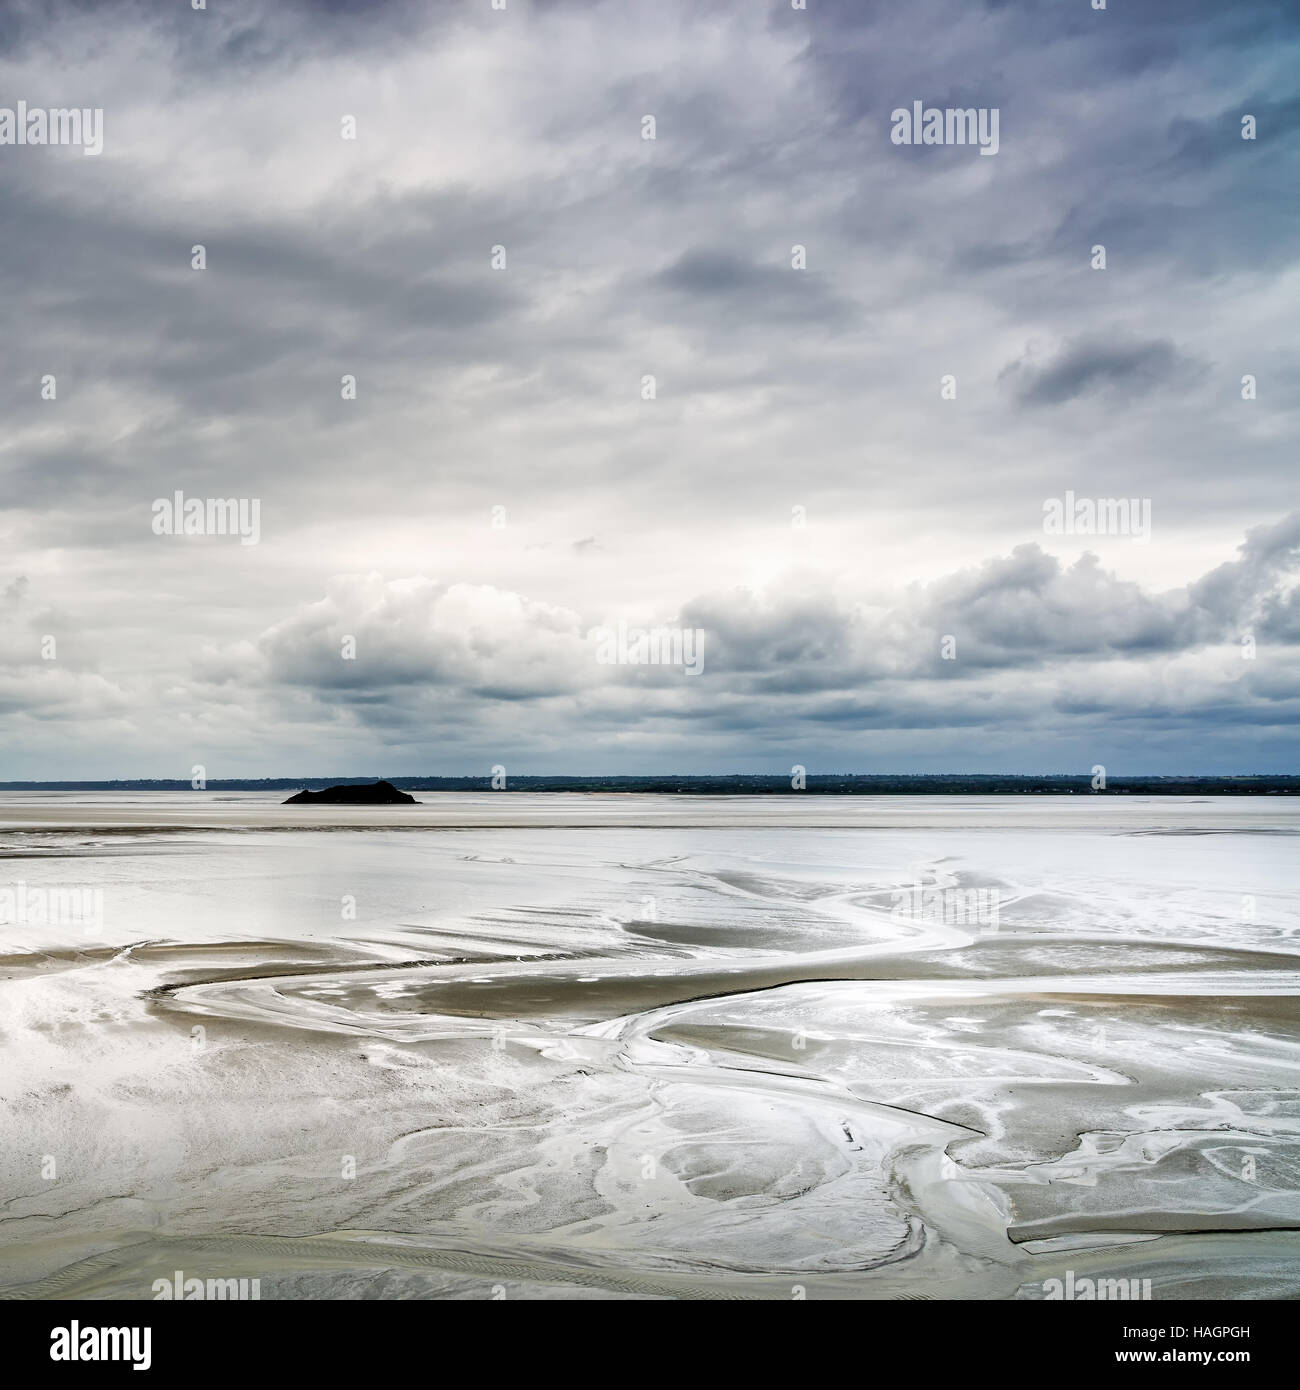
(369, 794)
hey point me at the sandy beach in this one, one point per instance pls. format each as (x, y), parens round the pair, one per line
(612, 1047)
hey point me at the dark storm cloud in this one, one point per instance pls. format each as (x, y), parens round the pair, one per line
(706, 280)
(1119, 369)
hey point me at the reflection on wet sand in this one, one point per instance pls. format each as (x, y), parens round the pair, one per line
(639, 1059)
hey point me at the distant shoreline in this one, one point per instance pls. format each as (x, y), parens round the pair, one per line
(738, 784)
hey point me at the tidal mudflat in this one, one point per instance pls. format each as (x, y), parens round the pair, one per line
(650, 1047)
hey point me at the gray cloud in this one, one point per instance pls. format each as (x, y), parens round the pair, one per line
(780, 393)
(1033, 640)
(1119, 369)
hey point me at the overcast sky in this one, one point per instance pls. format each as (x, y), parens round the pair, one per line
(776, 388)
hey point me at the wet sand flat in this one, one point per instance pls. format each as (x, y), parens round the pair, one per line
(652, 1047)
